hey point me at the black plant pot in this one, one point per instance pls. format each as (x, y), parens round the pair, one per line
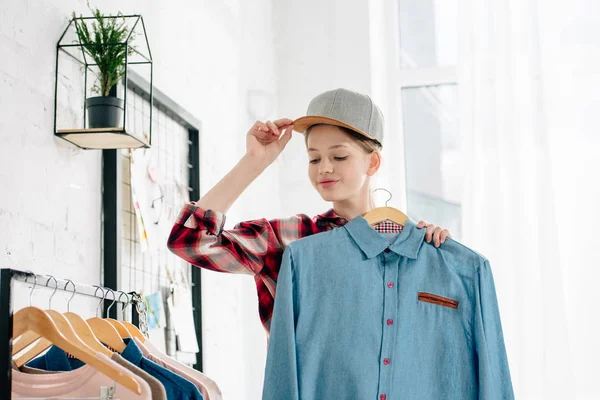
(105, 112)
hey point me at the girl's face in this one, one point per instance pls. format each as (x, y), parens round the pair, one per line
(338, 167)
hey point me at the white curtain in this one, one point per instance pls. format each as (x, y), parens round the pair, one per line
(529, 81)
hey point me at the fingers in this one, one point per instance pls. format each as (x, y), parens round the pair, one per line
(445, 235)
(434, 233)
(261, 126)
(440, 235)
(283, 123)
(273, 128)
(429, 232)
(436, 236)
(287, 136)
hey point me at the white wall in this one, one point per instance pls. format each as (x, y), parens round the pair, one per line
(50, 201)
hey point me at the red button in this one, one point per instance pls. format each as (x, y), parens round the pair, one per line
(390, 284)
(390, 321)
(386, 361)
(382, 397)
(387, 250)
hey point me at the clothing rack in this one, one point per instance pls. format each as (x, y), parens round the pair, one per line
(7, 276)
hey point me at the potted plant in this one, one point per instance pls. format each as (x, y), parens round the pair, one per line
(106, 44)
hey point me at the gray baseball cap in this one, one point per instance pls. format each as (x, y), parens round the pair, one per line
(343, 107)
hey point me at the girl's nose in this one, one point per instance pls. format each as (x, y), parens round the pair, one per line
(326, 167)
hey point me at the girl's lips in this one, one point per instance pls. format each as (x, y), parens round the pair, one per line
(327, 184)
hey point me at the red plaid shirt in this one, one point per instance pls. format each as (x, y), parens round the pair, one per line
(251, 247)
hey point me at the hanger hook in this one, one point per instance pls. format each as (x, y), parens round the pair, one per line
(390, 193)
(102, 300)
(126, 303)
(73, 295)
(55, 289)
(109, 290)
(33, 287)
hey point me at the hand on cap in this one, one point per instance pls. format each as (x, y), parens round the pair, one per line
(265, 141)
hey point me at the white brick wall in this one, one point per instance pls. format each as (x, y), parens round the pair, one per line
(50, 202)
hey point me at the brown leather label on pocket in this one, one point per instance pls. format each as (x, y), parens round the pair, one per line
(439, 300)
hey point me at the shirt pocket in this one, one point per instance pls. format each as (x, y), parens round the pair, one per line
(437, 300)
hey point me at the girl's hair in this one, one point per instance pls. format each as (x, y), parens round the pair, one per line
(368, 145)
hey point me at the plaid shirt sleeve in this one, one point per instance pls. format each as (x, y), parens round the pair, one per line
(199, 238)
(251, 247)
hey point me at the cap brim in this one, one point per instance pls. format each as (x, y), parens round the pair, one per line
(303, 123)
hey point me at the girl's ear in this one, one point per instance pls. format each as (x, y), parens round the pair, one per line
(374, 163)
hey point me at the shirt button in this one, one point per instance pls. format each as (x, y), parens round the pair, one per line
(386, 361)
(382, 397)
(390, 321)
(390, 284)
(387, 250)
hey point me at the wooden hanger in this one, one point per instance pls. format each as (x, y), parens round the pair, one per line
(104, 330)
(107, 333)
(23, 341)
(63, 336)
(380, 214)
(81, 329)
(30, 337)
(135, 331)
(84, 330)
(123, 331)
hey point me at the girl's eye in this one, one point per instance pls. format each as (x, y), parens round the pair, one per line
(341, 158)
(316, 160)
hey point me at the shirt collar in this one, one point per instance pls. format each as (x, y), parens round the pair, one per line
(372, 243)
(57, 360)
(333, 217)
(132, 352)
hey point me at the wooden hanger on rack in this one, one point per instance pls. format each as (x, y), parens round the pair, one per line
(23, 341)
(121, 329)
(30, 337)
(104, 330)
(380, 214)
(77, 324)
(82, 328)
(106, 333)
(62, 335)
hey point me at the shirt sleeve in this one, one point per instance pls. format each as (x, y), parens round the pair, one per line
(493, 371)
(281, 380)
(199, 238)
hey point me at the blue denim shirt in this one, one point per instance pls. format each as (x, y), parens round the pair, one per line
(176, 387)
(358, 318)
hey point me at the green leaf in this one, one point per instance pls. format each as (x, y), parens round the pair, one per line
(106, 45)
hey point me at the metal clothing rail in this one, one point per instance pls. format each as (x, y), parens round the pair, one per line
(8, 276)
